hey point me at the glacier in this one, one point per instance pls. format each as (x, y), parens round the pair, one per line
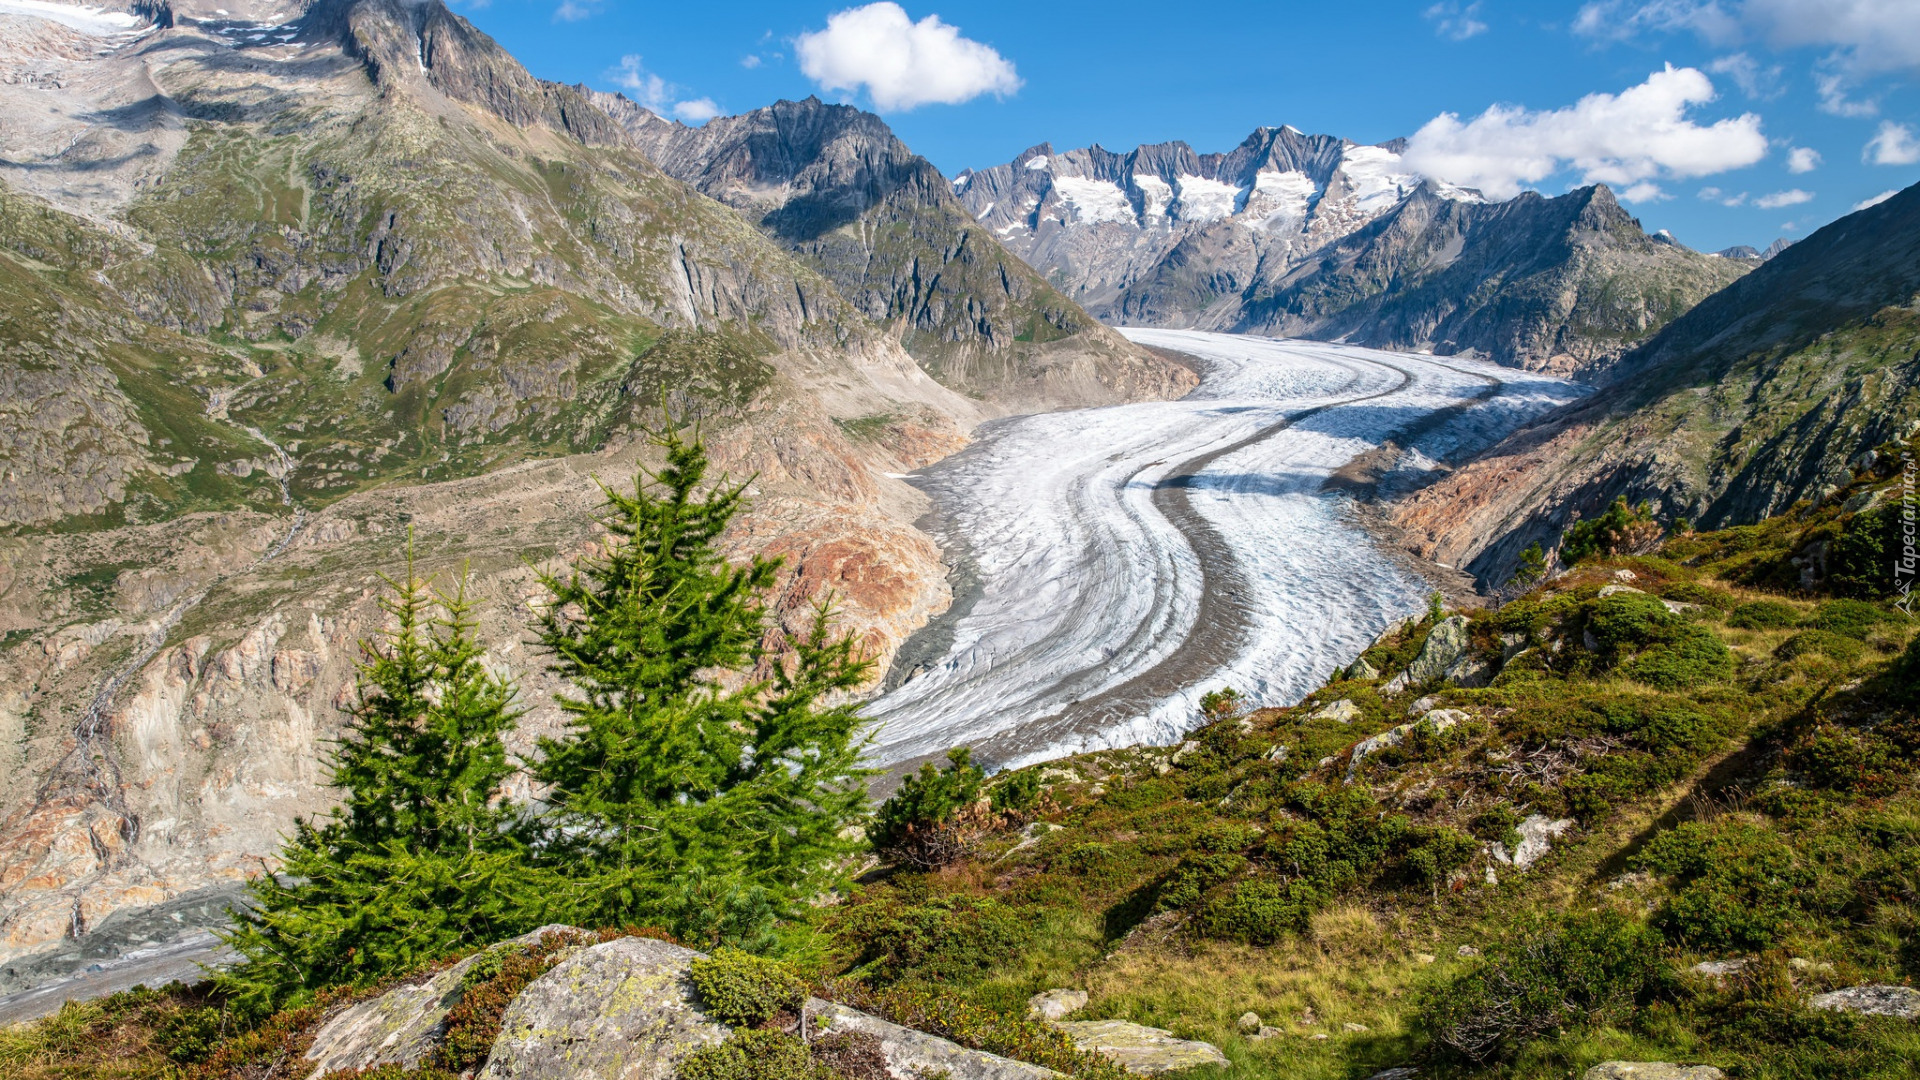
(1116, 563)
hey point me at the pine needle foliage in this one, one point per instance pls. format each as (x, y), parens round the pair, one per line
(420, 859)
(689, 794)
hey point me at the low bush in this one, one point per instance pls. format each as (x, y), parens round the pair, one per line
(1734, 884)
(1583, 971)
(1820, 643)
(1259, 911)
(753, 1055)
(742, 990)
(926, 823)
(1691, 657)
(1764, 615)
(1621, 530)
(1692, 592)
(1848, 618)
(898, 933)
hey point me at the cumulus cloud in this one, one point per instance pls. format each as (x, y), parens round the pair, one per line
(1790, 197)
(900, 63)
(1834, 90)
(1455, 23)
(1644, 191)
(1895, 144)
(1636, 136)
(572, 11)
(1864, 35)
(1714, 194)
(1877, 199)
(659, 95)
(1802, 159)
(750, 61)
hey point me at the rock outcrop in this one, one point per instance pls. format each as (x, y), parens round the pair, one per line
(1139, 1049)
(619, 1010)
(1900, 1001)
(1651, 1070)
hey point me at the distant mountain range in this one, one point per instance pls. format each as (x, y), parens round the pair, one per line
(1316, 236)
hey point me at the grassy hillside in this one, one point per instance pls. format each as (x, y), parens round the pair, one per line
(1701, 761)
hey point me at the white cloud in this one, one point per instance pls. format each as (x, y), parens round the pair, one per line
(902, 64)
(659, 95)
(572, 11)
(1833, 90)
(1714, 194)
(750, 61)
(1752, 79)
(1644, 191)
(1455, 23)
(1895, 144)
(1877, 199)
(1790, 197)
(1802, 159)
(1621, 139)
(1865, 35)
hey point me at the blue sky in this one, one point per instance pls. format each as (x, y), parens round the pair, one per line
(1780, 115)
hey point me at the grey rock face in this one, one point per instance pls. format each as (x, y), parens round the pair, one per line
(1362, 670)
(835, 185)
(1344, 710)
(1054, 1004)
(1537, 834)
(623, 1010)
(402, 1026)
(1652, 1070)
(1900, 1001)
(1138, 1048)
(1445, 645)
(913, 1053)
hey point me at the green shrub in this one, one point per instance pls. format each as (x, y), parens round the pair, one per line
(742, 990)
(1764, 615)
(897, 933)
(1848, 618)
(1844, 760)
(1692, 656)
(1859, 559)
(1692, 592)
(1017, 793)
(1438, 851)
(1621, 529)
(1734, 884)
(1259, 911)
(1584, 971)
(1195, 875)
(1498, 822)
(921, 824)
(753, 1055)
(1820, 643)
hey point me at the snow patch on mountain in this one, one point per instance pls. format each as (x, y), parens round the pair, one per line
(93, 21)
(1280, 199)
(1093, 201)
(1202, 199)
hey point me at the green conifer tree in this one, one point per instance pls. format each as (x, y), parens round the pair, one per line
(420, 859)
(688, 794)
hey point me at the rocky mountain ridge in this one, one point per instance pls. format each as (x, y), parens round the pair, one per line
(1315, 236)
(1757, 399)
(836, 186)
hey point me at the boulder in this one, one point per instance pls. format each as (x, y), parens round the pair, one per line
(1360, 669)
(623, 1010)
(1140, 1049)
(913, 1053)
(1398, 1072)
(1445, 644)
(1250, 1023)
(1343, 710)
(402, 1026)
(1652, 1070)
(1720, 969)
(1054, 1004)
(1900, 1001)
(1470, 671)
(1537, 834)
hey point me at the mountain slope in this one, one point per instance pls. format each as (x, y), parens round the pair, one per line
(837, 187)
(283, 284)
(1563, 284)
(1756, 399)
